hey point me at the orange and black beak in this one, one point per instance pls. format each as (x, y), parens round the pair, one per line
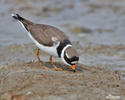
(73, 68)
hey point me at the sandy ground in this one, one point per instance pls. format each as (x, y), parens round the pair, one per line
(26, 80)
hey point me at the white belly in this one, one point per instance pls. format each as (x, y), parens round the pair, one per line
(50, 50)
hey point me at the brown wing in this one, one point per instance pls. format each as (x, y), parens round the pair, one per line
(46, 34)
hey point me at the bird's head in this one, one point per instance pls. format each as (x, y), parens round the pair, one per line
(71, 57)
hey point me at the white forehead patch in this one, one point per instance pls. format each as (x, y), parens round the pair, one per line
(74, 62)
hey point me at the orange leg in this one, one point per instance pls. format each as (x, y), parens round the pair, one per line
(51, 59)
(37, 54)
(51, 62)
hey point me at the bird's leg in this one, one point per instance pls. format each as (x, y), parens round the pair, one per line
(37, 54)
(51, 62)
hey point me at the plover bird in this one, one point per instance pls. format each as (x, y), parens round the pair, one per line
(50, 40)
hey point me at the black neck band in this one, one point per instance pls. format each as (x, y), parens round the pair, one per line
(61, 46)
(66, 59)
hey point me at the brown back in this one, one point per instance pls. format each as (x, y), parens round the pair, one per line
(44, 33)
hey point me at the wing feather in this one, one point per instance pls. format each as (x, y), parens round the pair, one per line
(46, 34)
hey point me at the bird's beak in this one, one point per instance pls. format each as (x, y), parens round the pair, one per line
(73, 68)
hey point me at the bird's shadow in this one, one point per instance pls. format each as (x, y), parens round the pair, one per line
(64, 67)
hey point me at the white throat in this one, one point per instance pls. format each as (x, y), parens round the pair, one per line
(62, 54)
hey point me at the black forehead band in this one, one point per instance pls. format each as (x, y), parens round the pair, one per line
(74, 58)
(69, 60)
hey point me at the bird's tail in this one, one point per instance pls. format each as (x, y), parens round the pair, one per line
(17, 17)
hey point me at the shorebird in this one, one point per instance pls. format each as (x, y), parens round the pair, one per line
(50, 40)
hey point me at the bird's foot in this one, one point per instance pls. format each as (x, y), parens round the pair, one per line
(57, 69)
(42, 66)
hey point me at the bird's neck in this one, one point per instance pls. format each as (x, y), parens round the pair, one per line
(62, 47)
(63, 55)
